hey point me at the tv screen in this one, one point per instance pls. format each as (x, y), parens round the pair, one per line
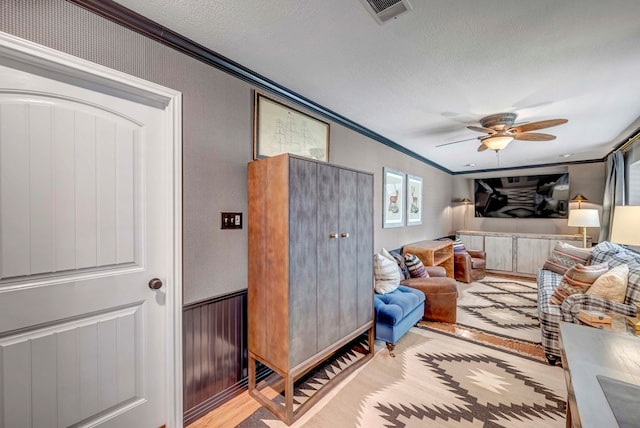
(531, 196)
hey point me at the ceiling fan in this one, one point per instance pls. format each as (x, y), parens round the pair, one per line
(500, 131)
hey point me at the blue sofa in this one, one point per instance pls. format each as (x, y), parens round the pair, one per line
(397, 312)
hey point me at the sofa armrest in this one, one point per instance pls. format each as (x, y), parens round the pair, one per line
(577, 302)
(477, 254)
(436, 271)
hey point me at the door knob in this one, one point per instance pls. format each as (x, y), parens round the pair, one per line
(344, 234)
(333, 235)
(155, 284)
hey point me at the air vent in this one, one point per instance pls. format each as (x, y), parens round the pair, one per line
(384, 10)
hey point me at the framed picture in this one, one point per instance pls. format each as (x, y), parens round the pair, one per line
(393, 197)
(279, 128)
(414, 200)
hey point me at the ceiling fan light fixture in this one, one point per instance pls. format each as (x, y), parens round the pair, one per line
(497, 142)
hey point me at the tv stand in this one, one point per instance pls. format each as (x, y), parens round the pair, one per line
(516, 253)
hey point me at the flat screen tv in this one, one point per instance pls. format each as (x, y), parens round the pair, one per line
(530, 196)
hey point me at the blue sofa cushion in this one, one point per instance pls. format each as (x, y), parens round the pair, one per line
(391, 308)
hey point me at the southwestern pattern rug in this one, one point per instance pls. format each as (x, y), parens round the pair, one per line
(440, 381)
(506, 308)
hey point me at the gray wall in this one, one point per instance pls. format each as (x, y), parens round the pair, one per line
(217, 140)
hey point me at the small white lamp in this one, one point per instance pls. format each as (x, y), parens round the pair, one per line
(584, 218)
(624, 229)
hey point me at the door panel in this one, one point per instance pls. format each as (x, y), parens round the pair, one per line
(303, 317)
(84, 226)
(364, 236)
(348, 251)
(68, 191)
(328, 255)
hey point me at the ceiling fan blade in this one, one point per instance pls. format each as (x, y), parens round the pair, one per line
(538, 125)
(481, 129)
(482, 148)
(456, 142)
(534, 136)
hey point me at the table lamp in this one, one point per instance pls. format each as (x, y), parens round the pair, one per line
(579, 198)
(583, 219)
(624, 228)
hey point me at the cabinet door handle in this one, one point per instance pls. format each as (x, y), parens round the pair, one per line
(344, 235)
(333, 235)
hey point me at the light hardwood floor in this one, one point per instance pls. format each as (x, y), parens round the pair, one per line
(241, 407)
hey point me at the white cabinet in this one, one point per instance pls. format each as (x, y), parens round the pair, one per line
(520, 253)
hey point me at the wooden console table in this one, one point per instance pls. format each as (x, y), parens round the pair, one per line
(433, 253)
(592, 357)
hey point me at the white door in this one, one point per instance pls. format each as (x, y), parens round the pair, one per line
(86, 222)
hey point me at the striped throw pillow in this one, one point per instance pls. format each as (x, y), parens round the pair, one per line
(385, 273)
(415, 266)
(566, 255)
(458, 247)
(577, 280)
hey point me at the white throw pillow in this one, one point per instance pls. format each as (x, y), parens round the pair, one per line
(385, 272)
(611, 285)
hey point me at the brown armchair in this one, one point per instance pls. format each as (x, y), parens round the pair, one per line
(469, 266)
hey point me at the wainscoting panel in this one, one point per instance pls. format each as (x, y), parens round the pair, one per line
(215, 353)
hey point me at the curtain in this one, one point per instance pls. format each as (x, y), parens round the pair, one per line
(613, 192)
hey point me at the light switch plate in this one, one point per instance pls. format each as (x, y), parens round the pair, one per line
(231, 221)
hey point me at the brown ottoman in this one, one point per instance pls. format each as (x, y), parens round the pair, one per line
(441, 294)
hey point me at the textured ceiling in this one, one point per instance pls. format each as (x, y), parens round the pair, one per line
(420, 79)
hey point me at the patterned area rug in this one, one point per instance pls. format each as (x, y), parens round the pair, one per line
(501, 307)
(441, 381)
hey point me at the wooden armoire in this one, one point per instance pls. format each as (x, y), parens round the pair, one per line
(310, 269)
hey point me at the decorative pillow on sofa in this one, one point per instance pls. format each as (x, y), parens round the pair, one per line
(577, 280)
(566, 255)
(404, 271)
(415, 266)
(458, 247)
(385, 272)
(611, 285)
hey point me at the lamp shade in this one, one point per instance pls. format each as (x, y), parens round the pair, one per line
(497, 142)
(579, 198)
(584, 218)
(624, 229)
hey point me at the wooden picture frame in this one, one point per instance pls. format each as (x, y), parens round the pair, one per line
(279, 128)
(414, 200)
(393, 193)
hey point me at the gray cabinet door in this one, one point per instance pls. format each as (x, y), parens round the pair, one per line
(348, 251)
(303, 326)
(364, 237)
(328, 255)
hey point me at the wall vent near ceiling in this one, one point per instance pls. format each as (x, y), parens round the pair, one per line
(384, 10)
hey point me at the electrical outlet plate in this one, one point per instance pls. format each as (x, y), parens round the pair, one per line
(231, 221)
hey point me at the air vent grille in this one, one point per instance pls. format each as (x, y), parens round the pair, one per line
(382, 5)
(384, 10)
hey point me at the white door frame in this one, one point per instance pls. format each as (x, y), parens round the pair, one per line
(47, 61)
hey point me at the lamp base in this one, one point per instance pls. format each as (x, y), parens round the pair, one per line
(584, 237)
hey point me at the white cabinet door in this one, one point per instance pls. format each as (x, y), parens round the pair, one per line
(85, 224)
(472, 242)
(499, 251)
(531, 254)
